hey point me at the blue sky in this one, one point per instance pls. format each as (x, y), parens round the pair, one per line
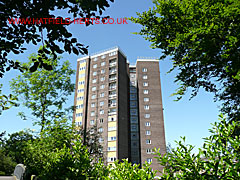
(185, 118)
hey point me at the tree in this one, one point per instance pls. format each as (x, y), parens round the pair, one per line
(14, 36)
(58, 153)
(203, 39)
(128, 171)
(218, 159)
(7, 165)
(15, 145)
(44, 92)
(6, 102)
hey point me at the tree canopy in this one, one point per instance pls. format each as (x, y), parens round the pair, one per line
(203, 40)
(14, 36)
(44, 92)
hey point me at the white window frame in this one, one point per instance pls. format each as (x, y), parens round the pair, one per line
(146, 99)
(147, 124)
(145, 77)
(148, 132)
(145, 84)
(148, 141)
(145, 91)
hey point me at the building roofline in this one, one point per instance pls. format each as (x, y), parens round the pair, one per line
(106, 51)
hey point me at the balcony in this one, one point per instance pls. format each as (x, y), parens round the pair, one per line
(112, 104)
(112, 96)
(112, 64)
(112, 87)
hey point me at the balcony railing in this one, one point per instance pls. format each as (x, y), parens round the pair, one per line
(113, 64)
(112, 72)
(112, 87)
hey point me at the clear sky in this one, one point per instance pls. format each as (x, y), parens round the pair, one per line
(185, 118)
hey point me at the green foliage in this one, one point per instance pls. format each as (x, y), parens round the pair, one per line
(44, 92)
(7, 165)
(14, 36)
(203, 40)
(218, 159)
(127, 171)
(6, 102)
(58, 153)
(15, 145)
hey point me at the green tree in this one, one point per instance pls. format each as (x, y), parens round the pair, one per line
(7, 165)
(13, 37)
(58, 153)
(6, 102)
(15, 145)
(44, 92)
(218, 159)
(128, 171)
(203, 39)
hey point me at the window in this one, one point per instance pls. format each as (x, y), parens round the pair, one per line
(132, 75)
(94, 96)
(102, 94)
(92, 122)
(102, 86)
(133, 96)
(113, 53)
(80, 98)
(146, 99)
(133, 83)
(145, 91)
(101, 140)
(133, 119)
(145, 84)
(148, 141)
(112, 128)
(133, 112)
(146, 107)
(148, 151)
(101, 111)
(95, 59)
(147, 124)
(102, 71)
(78, 123)
(147, 116)
(145, 76)
(149, 160)
(133, 90)
(113, 138)
(94, 66)
(133, 128)
(103, 56)
(103, 63)
(94, 88)
(92, 104)
(93, 113)
(133, 103)
(101, 120)
(79, 114)
(111, 159)
(95, 73)
(81, 82)
(144, 70)
(82, 61)
(112, 119)
(111, 148)
(102, 78)
(148, 132)
(94, 80)
(101, 103)
(100, 130)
